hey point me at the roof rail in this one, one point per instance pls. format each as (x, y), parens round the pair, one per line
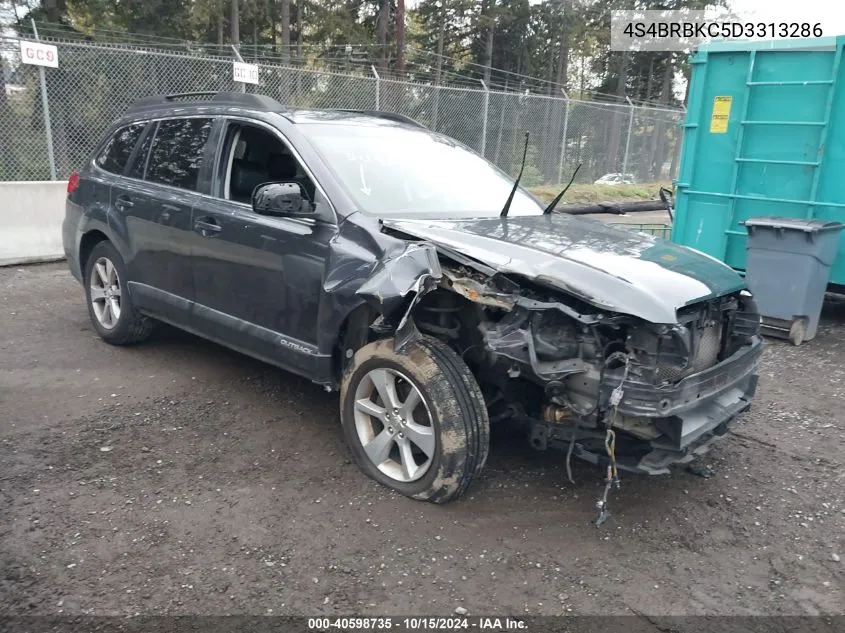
(392, 116)
(243, 99)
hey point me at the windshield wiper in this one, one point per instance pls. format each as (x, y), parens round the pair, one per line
(554, 202)
(507, 206)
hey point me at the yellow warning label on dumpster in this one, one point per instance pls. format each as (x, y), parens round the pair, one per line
(721, 114)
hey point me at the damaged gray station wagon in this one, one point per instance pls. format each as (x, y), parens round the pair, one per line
(401, 269)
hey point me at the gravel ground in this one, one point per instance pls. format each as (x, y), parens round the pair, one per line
(177, 477)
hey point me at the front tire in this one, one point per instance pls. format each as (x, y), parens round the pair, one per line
(110, 306)
(415, 420)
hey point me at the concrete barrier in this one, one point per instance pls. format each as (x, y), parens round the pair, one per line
(31, 215)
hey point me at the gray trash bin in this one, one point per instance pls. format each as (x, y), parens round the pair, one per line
(787, 270)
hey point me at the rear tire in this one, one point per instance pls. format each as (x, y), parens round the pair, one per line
(433, 438)
(110, 306)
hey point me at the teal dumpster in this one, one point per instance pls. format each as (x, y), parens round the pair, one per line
(764, 136)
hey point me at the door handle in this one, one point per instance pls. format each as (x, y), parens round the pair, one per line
(208, 227)
(123, 202)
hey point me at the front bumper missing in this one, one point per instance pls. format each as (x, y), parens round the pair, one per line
(687, 435)
(702, 408)
(642, 399)
(633, 455)
(657, 461)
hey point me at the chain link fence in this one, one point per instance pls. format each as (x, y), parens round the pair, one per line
(94, 84)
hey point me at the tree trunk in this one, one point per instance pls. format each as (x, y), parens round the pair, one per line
(614, 160)
(299, 60)
(678, 133)
(235, 24)
(440, 37)
(54, 9)
(286, 31)
(502, 98)
(666, 89)
(583, 69)
(658, 148)
(649, 91)
(3, 98)
(286, 73)
(545, 157)
(220, 20)
(271, 10)
(622, 79)
(383, 15)
(563, 55)
(439, 67)
(299, 29)
(615, 208)
(381, 28)
(488, 50)
(554, 146)
(59, 127)
(400, 38)
(8, 159)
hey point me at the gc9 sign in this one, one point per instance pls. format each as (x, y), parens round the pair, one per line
(245, 73)
(39, 54)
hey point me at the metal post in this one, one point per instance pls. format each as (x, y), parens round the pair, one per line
(436, 116)
(45, 106)
(563, 137)
(484, 124)
(241, 60)
(378, 87)
(628, 140)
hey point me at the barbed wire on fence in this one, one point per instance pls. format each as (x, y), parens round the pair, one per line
(96, 82)
(420, 64)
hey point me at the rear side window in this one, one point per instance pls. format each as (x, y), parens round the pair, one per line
(136, 170)
(117, 151)
(177, 150)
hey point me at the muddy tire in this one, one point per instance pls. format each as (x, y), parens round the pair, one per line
(415, 420)
(110, 306)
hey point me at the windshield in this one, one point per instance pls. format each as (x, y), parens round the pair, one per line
(393, 171)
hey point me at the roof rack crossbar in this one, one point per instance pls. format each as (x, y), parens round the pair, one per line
(392, 116)
(244, 99)
(182, 95)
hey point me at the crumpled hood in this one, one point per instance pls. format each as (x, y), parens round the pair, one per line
(610, 267)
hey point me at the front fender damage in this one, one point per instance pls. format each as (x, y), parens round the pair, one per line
(397, 284)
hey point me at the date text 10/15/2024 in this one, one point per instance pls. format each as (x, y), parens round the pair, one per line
(417, 624)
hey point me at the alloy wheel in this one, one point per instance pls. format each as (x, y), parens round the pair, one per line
(105, 293)
(394, 425)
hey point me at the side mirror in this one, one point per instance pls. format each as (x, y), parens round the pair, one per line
(280, 198)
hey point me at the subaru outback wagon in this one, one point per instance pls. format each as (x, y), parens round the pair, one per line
(399, 268)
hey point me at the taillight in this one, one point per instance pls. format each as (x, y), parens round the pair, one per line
(72, 183)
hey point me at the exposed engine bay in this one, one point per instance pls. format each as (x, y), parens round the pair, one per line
(570, 372)
(625, 351)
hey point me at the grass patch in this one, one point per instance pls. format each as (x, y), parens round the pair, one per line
(579, 193)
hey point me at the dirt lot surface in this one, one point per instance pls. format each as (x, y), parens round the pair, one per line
(178, 477)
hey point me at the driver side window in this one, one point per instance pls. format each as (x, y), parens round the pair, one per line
(253, 156)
